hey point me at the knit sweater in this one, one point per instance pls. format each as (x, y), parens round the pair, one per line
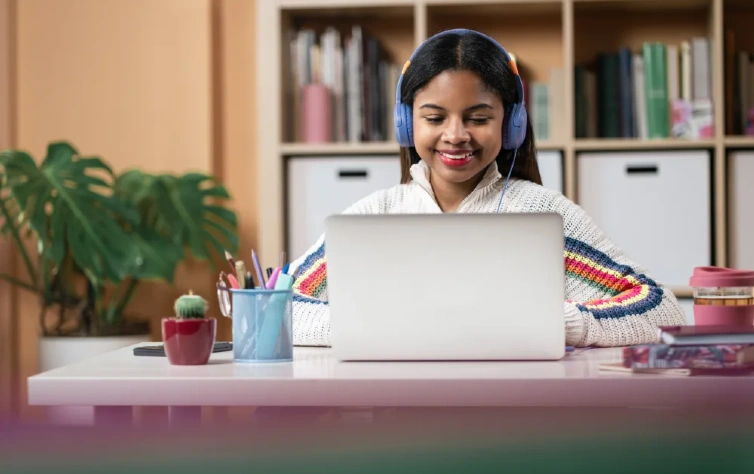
(610, 300)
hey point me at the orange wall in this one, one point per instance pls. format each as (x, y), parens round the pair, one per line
(7, 329)
(164, 85)
(128, 80)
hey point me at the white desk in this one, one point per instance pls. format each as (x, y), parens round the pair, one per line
(121, 380)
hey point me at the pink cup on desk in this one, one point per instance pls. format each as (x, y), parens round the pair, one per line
(723, 296)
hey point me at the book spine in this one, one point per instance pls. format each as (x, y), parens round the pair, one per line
(626, 94)
(656, 87)
(663, 356)
(640, 104)
(608, 91)
(750, 119)
(579, 94)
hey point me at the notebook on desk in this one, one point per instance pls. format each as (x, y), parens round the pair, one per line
(446, 286)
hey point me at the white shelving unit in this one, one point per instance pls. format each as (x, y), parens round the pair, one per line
(543, 31)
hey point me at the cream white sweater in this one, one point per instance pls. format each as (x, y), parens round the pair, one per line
(610, 300)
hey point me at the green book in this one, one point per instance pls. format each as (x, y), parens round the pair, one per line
(656, 90)
(540, 97)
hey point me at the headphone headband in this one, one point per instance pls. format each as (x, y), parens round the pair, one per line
(514, 122)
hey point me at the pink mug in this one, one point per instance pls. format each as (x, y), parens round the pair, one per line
(723, 296)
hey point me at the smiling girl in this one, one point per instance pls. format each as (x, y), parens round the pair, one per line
(467, 146)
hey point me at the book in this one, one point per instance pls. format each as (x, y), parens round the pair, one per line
(681, 122)
(699, 335)
(639, 99)
(608, 95)
(713, 356)
(540, 110)
(656, 90)
(626, 93)
(557, 104)
(618, 367)
(579, 96)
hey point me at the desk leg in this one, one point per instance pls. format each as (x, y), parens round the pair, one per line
(185, 415)
(113, 415)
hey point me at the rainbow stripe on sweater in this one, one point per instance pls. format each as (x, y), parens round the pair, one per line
(628, 292)
(312, 279)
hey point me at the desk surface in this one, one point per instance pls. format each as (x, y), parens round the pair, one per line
(316, 378)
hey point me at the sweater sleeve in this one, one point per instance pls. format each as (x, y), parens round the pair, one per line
(610, 300)
(311, 312)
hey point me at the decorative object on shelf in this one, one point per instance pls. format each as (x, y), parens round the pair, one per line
(98, 235)
(723, 296)
(315, 113)
(189, 337)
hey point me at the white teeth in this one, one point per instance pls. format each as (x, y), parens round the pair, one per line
(456, 157)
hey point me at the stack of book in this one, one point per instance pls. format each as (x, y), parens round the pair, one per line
(692, 350)
(659, 91)
(359, 78)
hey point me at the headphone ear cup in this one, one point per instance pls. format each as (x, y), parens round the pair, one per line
(408, 124)
(398, 124)
(403, 125)
(514, 127)
(506, 128)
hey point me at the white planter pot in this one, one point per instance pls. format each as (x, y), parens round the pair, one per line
(56, 352)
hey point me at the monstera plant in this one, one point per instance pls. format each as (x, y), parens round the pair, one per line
(87, 237)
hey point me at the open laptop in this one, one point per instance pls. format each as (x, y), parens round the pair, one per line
(446, 286)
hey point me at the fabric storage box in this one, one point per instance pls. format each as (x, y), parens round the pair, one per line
(655, 205)
(551, 169)
(318, 187)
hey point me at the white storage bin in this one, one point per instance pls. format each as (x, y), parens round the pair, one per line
(655, 205)
(551, 169)
(741, 210)
(318, 187)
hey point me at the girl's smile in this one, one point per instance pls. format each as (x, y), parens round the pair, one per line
(455, 158)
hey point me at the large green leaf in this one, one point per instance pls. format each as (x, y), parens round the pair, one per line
(185, 210)
(67, 200)
(11, 223)
(152, 256)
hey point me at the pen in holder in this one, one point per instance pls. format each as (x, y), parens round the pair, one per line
(262, 324)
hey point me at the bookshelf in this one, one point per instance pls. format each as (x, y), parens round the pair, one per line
(544, 35)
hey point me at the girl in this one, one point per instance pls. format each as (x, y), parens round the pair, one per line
(467, 146)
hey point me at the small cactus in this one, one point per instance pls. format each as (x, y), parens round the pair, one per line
(190, 306)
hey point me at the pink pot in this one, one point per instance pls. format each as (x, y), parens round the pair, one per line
(188, 341)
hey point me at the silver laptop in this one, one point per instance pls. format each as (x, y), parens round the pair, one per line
(446, 286)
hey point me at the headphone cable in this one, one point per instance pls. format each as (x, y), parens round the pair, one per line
(515, 151)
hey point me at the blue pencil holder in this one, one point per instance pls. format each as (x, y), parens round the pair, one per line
(262, 325)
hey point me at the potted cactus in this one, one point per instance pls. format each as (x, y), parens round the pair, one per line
(189, 337)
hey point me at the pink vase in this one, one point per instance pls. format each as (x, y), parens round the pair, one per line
(316, 113)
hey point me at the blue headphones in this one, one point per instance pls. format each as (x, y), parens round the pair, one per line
(514, 122)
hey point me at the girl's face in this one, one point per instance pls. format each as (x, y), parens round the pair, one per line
(458, 127)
